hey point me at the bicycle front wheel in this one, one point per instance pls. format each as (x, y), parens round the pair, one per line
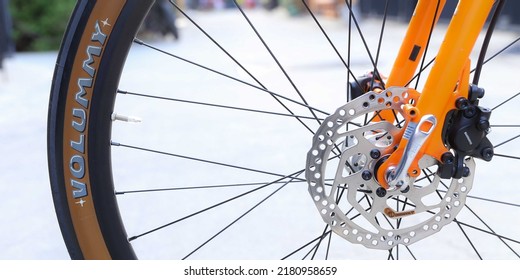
(213, 164)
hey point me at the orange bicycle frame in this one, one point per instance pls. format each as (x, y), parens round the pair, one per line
(449, 77)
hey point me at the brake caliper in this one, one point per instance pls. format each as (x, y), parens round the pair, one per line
(465, 133)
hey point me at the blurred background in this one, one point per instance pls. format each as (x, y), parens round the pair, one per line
(38, 25)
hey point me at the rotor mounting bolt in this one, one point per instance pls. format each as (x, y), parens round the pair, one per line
(375, 154)
(381, 192)
(366, 175)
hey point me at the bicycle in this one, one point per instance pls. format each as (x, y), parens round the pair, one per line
(389, 171)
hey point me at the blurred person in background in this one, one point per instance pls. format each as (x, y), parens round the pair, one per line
(161, 19)
(6, 45)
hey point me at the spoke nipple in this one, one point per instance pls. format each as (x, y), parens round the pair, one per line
(138, 41)
(113, 143)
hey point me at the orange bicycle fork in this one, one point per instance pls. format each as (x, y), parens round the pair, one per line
(447, 82)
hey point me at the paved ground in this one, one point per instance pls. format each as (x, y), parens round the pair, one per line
(28, 226)
(29, 229)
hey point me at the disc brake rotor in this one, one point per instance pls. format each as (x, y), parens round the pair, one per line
(340, 166)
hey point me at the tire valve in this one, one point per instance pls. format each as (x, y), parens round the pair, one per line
(117, 117)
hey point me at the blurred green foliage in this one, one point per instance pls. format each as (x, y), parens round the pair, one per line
(39, 24)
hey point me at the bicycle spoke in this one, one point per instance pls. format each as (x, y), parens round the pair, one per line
(306, 245)
(197, 159)
(274, 58)
(379, 44)
(347, 65)
(216, 43)
(360, 33)
(410, 252)
(488, 200)
(504, 125)
(215, 105)
(499, 52)
(491, 230)
(328, 247)
(240, 65)
(349, 48)
(468, 239)
(507, 141)
(212, 207)
(238, 219)
(506, 101)
(315, 248)
(241, 185)
(140, 42)
(421, 70)
(399, 123)
(390, 255)
(405, 203)
(352, 207)
(507, 156)
(323, 236)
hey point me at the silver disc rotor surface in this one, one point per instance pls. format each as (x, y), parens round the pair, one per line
(346, 152)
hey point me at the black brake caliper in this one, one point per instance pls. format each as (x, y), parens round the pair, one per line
(465, 133)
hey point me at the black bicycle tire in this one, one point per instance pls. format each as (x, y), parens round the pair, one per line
(97, 156)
